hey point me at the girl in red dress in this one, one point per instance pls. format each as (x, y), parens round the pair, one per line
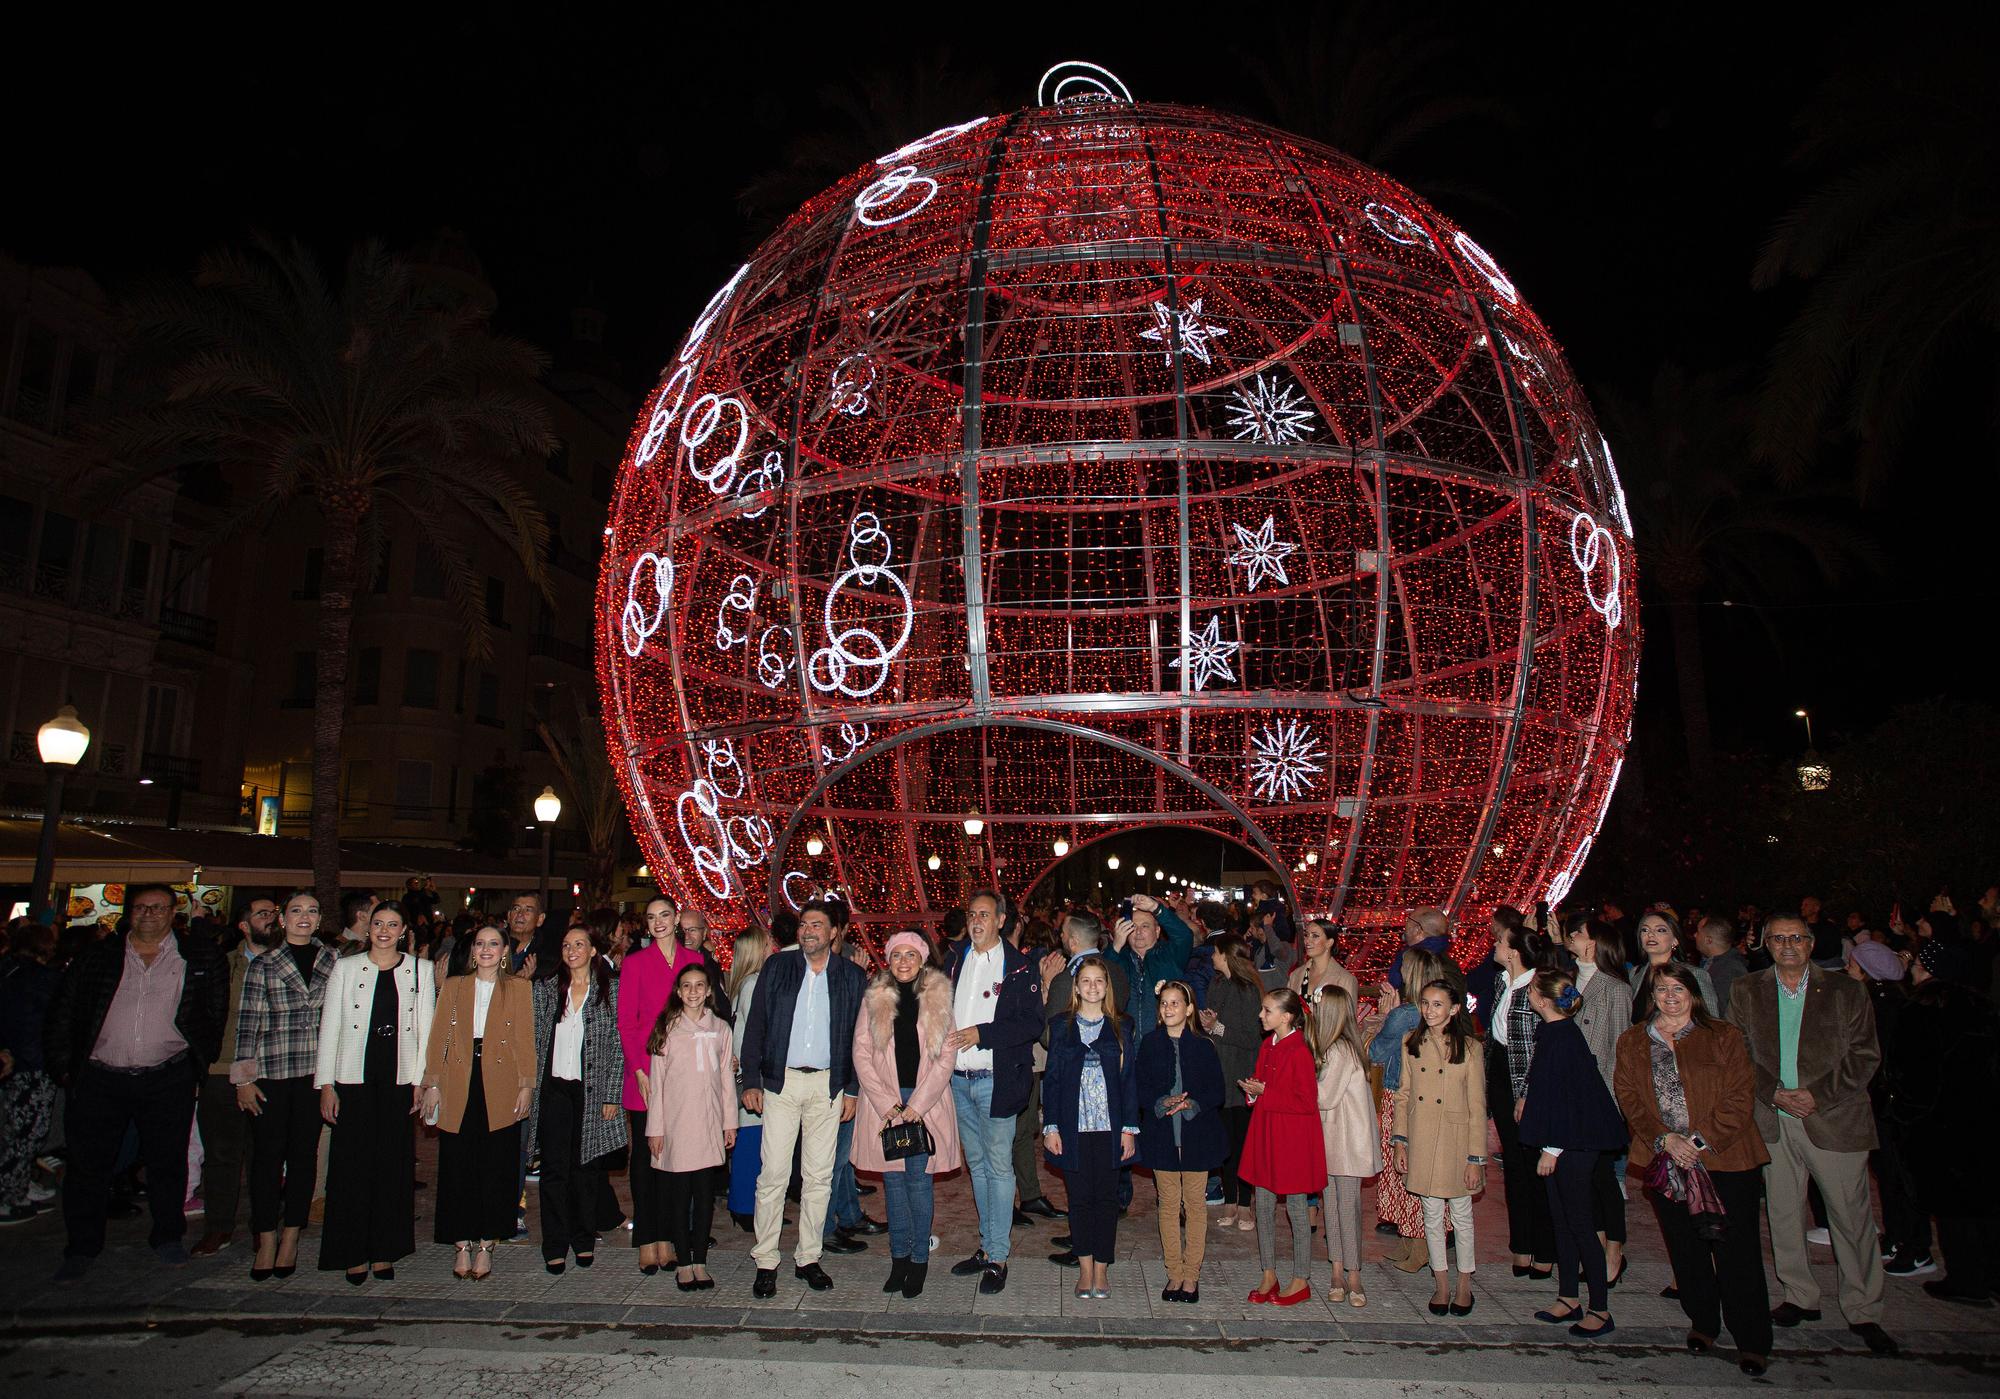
(1284, 1153)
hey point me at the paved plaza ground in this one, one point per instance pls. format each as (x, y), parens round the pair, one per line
(209, 1329)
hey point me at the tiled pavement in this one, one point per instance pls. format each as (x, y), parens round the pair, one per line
(127, 1286)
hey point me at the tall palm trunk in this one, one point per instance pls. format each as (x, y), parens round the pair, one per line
(336, 622)
(1692, 677)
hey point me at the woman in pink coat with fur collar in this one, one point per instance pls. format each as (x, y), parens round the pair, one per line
(905, 1072)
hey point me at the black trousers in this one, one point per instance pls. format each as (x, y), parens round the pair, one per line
(1234, 1191)
(1907, 1225)
(103, 1105)
(284, 1154)
(1028, 1145)
(689, 1197)
(1530, 1230)
(1722, 1281)
(649, 1188)
(477, 1185)
(1571, 1195)
(1607, 1205)
(1092, 1179)
(225, 1151)
(569, 1189)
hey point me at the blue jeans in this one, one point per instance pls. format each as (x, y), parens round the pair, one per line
(906, 1195)
(843, 1205)
(989, 1160)
(745, 1161)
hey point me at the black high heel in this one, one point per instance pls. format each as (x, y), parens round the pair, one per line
(258, 1274)
(387, 1274)
(356, 1279)
(283, 1270)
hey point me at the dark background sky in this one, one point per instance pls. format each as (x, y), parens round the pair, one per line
(1641, 161)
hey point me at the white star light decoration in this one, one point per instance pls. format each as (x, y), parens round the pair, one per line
(1191, 332)
(1263, 553)
(1207, 654)
(1287, 756)
(1269, 411)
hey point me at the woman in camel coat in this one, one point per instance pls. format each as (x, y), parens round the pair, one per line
(906, 995)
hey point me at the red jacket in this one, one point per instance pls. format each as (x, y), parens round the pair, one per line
(1284, 1152)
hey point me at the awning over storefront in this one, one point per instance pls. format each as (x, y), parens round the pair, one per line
(93, 853)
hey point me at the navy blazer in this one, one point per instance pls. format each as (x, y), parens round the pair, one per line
(1567, 1105)
(1016, 1026)
(1062, 1082)
(1204, 1142)
(767, 1039)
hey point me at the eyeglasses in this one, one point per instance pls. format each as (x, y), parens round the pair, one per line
(1787, 939)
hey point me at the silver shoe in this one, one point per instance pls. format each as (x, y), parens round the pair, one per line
(1100, 1292)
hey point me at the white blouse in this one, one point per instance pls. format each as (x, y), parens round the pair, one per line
(567, 1062)
(482, 997)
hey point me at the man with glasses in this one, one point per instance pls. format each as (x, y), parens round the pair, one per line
(1812, 1045)
(225, 1128)
(135, 1023)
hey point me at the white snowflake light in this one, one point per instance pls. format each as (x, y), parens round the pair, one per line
(1270, 411)
(1207, 654)
(1286, 759)
(1190, 331)
(1263, 553)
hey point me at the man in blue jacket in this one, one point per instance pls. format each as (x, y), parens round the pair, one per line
(1153, 946)
(997, 1007)
(797, 1070)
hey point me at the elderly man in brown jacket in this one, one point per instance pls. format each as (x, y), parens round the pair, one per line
(1811, 1036)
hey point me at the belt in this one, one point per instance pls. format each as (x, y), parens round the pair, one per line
(801, 1069)
(176, 1061)
(972, 1073)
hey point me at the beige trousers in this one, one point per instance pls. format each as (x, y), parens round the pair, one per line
(1183, 1190)
(802, 1114)
(1842, 1177)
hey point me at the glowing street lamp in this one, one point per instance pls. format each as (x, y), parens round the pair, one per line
(61, 741)
(973, 824)
(1111, 862)
(548, 810)
(1807, 716)
(1061, 847)
(934, 863)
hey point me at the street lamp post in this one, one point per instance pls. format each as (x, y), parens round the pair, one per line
(1806, 715)
(62, 741)
(548, 807)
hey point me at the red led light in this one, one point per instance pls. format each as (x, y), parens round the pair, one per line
(1108, 465)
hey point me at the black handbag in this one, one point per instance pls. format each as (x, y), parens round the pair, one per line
(904, 1139)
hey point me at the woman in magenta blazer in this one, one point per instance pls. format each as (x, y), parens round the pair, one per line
(645, 985)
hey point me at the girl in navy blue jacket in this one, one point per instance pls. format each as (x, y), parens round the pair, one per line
(1182, 1137)
(1090, 1117)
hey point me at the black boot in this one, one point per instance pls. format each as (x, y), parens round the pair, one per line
(913, 1278)
(899, 1271)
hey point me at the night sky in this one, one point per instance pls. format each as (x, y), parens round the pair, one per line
(1624, 165)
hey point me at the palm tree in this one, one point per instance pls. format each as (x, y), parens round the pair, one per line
(1710, 530)
(575, 740)
(866, 115)
(1898, 242)
(388, 395)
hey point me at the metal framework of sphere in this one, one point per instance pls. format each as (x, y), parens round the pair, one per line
(1108, 465)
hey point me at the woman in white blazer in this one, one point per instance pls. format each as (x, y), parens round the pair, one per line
(373, 1033)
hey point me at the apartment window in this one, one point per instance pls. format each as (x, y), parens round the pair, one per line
(360, 778)
(80, 389)
(38, 377)
(382, 568)
(496, 603)
(138, 565)
(426, 577)
(17, 518)
(489, 699)
(413, 789)
(555, 536)
(559, 462)
(368, 676)
(163, 703)
(309, 579)
(458, 702)
(420, 679)
(305, 677)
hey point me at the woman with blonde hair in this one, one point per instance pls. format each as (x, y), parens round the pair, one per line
(746, 1158)
(1348, 1128)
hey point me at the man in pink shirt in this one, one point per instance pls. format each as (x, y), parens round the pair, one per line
(135, 1023)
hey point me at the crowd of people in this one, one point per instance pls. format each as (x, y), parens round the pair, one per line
(1763, 1067)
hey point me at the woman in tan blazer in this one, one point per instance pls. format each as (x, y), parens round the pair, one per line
(478, 1082)
(1441, 1132)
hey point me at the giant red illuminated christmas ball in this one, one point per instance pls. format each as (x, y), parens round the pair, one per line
(1104, 465)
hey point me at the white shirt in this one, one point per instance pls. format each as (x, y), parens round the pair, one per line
(1584, 972)
(1496, 1024)
(977, 997)
(482, 997)
(812, 1035)
(568, 1060)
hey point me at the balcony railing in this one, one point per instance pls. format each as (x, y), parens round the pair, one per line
(171, 767)
(561, 648)
(188, 628)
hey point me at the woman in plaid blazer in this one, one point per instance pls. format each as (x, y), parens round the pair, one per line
(277, 1042)
(575, 1120)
